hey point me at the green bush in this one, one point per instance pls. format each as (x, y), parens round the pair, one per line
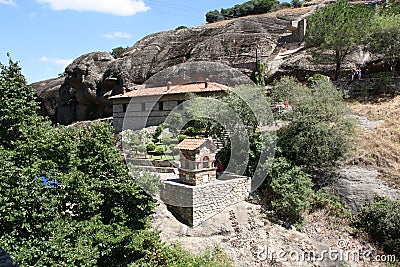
(247, 8)
(175, 256)
(289, 189)
(150, 147)
(319, 129)
(381, 220)
(191, 131)
(329, 202)
(180, 27)
(181, 137)
(157, 133)
(159, 151)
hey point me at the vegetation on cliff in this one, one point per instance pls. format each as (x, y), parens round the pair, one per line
(248, 8)
(335, 31)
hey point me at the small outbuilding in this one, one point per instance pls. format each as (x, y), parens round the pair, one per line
(197, 163)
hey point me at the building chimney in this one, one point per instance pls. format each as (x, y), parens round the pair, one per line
(206, 83)
(168, 85)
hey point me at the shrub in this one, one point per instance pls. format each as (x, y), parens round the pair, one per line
(289, 189)
(180, 27)
(381, 220)
(329, 202)
(159, 151)
(150, 147)
(319, 129)
(191, 131)
(157, 133)
(181, 137)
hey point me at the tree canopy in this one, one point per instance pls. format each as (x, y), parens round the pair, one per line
(384, 38)
(66, 199)
(240, 10)
(118, 51)
(319, 128)
(334, 32)
(18, 104)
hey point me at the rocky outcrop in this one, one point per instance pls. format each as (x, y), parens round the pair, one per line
(49, 96)
(82, 94)
(198, 71)
(238, 43)
(233, 43)
(356, 185)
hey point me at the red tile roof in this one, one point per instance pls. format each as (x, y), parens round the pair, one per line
(191, 143)
(176, 89)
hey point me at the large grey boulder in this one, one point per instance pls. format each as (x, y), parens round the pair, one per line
(234, 43)
(48, 94)
(357, 184)
(82, 94)
(199, 71)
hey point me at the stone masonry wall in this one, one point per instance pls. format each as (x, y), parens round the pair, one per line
(195, 204)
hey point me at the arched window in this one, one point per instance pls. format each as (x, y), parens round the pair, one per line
(206, 162)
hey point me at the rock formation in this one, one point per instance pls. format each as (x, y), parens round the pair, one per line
(239, 43)
(82, 94)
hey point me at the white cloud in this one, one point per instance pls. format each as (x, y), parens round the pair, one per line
(57, 61)
(115, 7)
(118, 35)
(32, 14)
(7, 2)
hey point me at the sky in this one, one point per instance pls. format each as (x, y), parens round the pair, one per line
(47, 35)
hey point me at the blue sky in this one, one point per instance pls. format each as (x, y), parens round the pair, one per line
(46, 35)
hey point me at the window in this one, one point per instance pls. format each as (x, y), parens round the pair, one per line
(143, 106)
(124, 107)
(160, 105)
(206, 162)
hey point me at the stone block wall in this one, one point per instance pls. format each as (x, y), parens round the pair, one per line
(198, 177)
(195, 204)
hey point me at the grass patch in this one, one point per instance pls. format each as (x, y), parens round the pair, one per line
(379, 147)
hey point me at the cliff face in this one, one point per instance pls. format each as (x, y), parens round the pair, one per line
(237, 44)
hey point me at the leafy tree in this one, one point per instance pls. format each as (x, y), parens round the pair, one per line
(240, 10)
(384, 38)
(319, 128)
(118, 51)
(263, 6)
(157, 133)
(18, 104)
(261, 75)
(214, 16)
(335, 31)
(96, 215)
(297, 3)
(131, 140)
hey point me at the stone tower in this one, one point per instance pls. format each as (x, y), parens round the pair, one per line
(197, 163)
(198, 194)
